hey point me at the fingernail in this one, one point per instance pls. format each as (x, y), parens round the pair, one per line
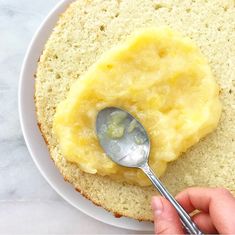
(157, 205)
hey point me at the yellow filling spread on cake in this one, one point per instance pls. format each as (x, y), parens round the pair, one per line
(158, 76)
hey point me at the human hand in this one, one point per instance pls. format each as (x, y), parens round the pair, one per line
(216, 211)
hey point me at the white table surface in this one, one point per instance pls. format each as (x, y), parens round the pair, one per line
(28, 205)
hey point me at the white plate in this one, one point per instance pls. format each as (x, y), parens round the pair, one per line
(35, 142)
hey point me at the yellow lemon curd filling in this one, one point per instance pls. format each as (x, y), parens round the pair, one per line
(158, 76)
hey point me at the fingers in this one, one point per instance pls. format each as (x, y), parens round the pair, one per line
(195, 198)
(204, 223)
(166, 220)
(217, 202)
(202, 198)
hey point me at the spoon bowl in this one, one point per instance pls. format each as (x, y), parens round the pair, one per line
(125, 151)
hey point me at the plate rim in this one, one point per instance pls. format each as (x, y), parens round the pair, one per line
(120, 222)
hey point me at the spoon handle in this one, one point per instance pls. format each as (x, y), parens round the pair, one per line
(184, 217)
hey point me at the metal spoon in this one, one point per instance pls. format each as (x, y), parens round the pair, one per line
(130, 148)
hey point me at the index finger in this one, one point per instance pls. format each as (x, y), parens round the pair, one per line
(203, 198)
(218, 202)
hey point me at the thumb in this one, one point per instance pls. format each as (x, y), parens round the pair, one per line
(166, 219)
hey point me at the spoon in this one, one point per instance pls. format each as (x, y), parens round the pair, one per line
(126, 142)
